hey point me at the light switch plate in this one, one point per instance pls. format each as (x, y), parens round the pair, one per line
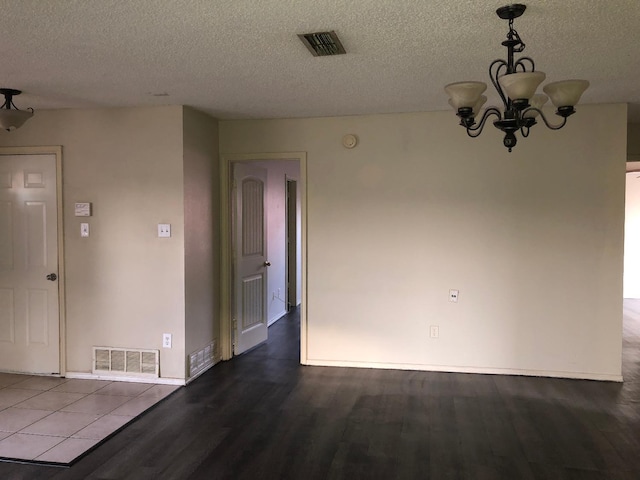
(84, 229)
(164, 230)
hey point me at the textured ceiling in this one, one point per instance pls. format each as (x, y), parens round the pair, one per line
(242, 58)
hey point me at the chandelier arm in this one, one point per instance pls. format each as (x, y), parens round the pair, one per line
(494, 78)
(544, 119)
(524, 131)
(521, 61)
(480, 126)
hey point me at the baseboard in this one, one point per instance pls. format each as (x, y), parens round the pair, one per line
(276, 318)
(123, 378)
(461, 369)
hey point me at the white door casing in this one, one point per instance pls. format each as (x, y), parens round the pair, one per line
(29, 289)
(250, 261)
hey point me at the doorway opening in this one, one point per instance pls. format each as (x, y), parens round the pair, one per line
(631, 280)
(263, 240)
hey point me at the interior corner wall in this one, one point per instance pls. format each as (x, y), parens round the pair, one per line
(533, 241)
(124, 285)
(202, 231)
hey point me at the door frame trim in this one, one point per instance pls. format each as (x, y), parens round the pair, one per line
(62, 320)
(226, 261)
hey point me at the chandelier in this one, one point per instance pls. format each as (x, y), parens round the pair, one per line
(516, 82)
(10, 116)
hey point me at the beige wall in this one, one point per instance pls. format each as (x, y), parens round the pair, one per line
(124, 286)
(533, 240)
(202, 230)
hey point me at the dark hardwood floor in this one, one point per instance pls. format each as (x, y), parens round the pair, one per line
(262, 416)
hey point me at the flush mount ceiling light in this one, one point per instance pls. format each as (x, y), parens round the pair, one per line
(516, 82)
(10, 116)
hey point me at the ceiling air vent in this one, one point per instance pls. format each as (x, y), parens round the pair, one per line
(322, 44)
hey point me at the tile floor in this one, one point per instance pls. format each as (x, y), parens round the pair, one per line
(55, 420)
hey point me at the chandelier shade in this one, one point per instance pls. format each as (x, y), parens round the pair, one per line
(521, 85)
(479, 104)
(10, 116)
(537, 102)
(566, 93)
(516, 81)
(465, 94)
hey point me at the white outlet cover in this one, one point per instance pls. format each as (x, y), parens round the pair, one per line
(453, 296)
(164, 230)
(84, 230)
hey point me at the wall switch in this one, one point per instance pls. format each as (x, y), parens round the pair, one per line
(434, 331)
(84, 229)
(453, 296)
(166, 340)
(164, 230)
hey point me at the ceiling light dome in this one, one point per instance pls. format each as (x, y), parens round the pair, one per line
(10, 116)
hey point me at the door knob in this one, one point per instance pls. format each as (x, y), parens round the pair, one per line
(267, 264)
(52, 276)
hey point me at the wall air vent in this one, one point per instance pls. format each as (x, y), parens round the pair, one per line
(201, 360)
(322, 44)
(126, 361)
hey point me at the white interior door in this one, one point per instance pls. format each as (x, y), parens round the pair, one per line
(29, 315)
(250, 261)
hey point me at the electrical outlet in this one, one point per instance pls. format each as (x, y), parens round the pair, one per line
(453, 295)
(166, 340)
(434, 331)
(164, 230)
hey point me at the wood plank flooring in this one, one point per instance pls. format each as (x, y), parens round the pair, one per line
(262, 416)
